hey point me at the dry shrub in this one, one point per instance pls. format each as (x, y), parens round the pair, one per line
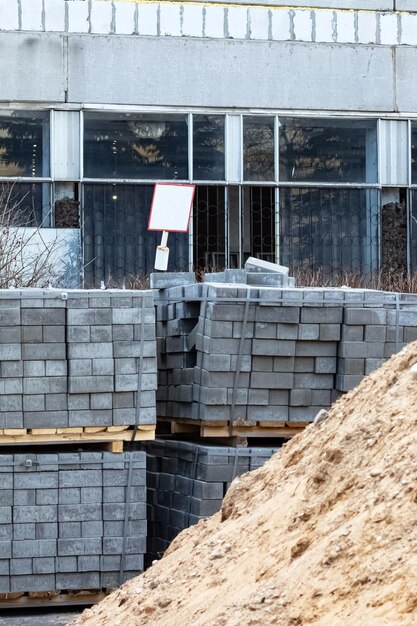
(383, 281)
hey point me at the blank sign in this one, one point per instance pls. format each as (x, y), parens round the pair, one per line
(171, 207)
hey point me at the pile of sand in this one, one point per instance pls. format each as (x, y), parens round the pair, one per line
(324, 534)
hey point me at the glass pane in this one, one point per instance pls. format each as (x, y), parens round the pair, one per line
(25, 204)
(208, 147)
(117, 244)
(259, 223)
(341, 151)
(147, 146)
(414, 153)
(258, 148)
(24, 143)
(331, 230)
(209, 228)
(413, 232)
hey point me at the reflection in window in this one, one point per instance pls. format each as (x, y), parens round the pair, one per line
(209, 228)
(327, 150)
(258, 148)
(259, 223)
(24, 143)
(208, 147)
(414, 153)
(117, 245)
(334, 230)
(25, 204)
(150, 146)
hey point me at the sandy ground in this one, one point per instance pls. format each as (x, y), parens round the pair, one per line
(325, 534)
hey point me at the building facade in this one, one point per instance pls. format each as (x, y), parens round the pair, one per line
(298, 126)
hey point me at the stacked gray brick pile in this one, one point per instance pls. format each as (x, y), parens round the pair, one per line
(376, 325)
(177, 315)
(302, 346)
(71, 359)
(286, 362)
(68, 522)
(187, 482)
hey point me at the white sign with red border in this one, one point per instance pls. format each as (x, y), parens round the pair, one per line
(171, 207)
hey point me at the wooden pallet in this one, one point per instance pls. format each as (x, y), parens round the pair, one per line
(52, 598)
(221, 430)
(112, 436)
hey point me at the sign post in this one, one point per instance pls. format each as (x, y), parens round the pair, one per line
(170, 212)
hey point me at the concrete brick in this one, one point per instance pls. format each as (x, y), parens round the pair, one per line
(31, 549)
(90, 384)
(90, 350)
(78, 547)
(10, 351)
(43, 351)
(11, 369)
(69, 530)
(53, 334)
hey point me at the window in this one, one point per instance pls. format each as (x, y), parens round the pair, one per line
(117, 244)
(334, 230)
(333, 151)
(123, 145)
(208, 147)
(24, 144)
(258, 149)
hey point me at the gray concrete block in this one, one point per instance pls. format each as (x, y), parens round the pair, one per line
(56, 402)
(31, 549)
(346, 382)
(352, 333)
(325, 365)
(78, 334)
(79, 402)
(365, 316)
(31, 334)
(43, 351)
(10, 352)
(33, 368)
(36, 480)
(46, 419)
(42, 317)
(265, 347)
(11, 369)
(97, 417)
(90, 350)
(313, 381)
(24, 531)
(101, 333)
(102, 367)
(65, 564)
(69, 530)
(300, 397)
(78, 546)
(44, 565)
(92, 529)
(46, 531)
(90, 384)
(80, 512)
(89, 317)
(315, 348)
(5, 549)
(34, 402)
(101, 400)
(41, 582)
(53, 334)
(85, 580)
(330, 332)
(272, 380)
(55, 368)
(165, 280)
(10, 316)
(41, 385)
(21, 514)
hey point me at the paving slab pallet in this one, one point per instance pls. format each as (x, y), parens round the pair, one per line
(45, 599)
(222, 430)
(113, 436)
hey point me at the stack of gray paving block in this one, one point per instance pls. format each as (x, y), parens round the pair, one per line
(71, 359)
(286, 362)
(66, 521)
(177, 315)
(376, 325)
(187, 482)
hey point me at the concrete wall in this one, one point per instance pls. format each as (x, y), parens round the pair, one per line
(204, 55)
